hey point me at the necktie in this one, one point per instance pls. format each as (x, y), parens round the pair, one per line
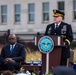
(11, 49)
(56, 26)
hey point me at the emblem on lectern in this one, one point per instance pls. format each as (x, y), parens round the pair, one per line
(46, 44)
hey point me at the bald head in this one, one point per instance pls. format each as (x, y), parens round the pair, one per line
(12, 35)
(63, 70)
(12, 39)
(7, 73)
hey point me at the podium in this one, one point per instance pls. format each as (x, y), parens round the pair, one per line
(54, 55)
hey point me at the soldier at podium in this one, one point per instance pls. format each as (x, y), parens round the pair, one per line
(62, 29)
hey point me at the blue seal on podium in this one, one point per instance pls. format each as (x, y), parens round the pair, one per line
(45, 44)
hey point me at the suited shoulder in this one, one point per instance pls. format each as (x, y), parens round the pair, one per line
(50, 24)
(6, 45)
(20, 44)
(64, 23)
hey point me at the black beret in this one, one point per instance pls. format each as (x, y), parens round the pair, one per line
(63, 70)
(58, 13)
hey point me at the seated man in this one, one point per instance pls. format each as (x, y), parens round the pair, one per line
(13, 53)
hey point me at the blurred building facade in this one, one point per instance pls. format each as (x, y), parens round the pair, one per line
(32, 16)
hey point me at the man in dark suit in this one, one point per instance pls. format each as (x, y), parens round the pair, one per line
(61, 29)
(13, 53)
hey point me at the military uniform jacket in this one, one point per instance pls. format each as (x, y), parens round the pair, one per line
(63, 30)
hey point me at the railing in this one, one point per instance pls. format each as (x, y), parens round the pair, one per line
(22, 37)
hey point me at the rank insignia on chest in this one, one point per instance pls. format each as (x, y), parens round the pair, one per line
(64, 29)
(49, 31)
(50, 28)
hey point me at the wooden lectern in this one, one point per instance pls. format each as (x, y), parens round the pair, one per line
(54, 55)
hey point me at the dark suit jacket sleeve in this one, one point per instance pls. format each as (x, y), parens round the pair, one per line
(46, 31)
(1, 59)
(22, 55)
(69, 35)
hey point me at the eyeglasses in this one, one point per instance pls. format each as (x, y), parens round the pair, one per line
(11, 39)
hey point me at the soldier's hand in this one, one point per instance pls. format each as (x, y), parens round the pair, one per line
(66, 43)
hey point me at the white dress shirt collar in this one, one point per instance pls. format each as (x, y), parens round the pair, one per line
(57, 24)
(12, 45)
